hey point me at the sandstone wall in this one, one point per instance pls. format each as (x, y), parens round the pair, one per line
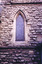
(33, 14)
(33, 17)
(19, 1)
(19, 56)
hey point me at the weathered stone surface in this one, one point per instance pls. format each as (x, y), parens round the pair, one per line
(34, 22)
(20, 1)
(10, 56)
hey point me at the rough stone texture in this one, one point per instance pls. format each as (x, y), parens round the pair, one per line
(33, 15)
(20, 1)
(19, 56)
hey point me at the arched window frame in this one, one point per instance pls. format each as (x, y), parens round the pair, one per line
(14, 29)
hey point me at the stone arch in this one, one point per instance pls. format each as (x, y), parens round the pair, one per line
(14, 28)
(20, 12)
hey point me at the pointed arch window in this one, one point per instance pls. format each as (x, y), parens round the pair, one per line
(20, 35)
(19, 31)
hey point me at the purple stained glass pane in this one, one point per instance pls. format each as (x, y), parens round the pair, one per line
(20, 28)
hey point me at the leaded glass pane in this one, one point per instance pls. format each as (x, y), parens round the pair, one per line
(20, 28)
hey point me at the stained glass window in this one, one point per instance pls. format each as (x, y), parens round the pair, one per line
(20, 28)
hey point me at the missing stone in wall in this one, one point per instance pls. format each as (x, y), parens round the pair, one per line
(26, 20)
(12, 21)
(0, 21)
